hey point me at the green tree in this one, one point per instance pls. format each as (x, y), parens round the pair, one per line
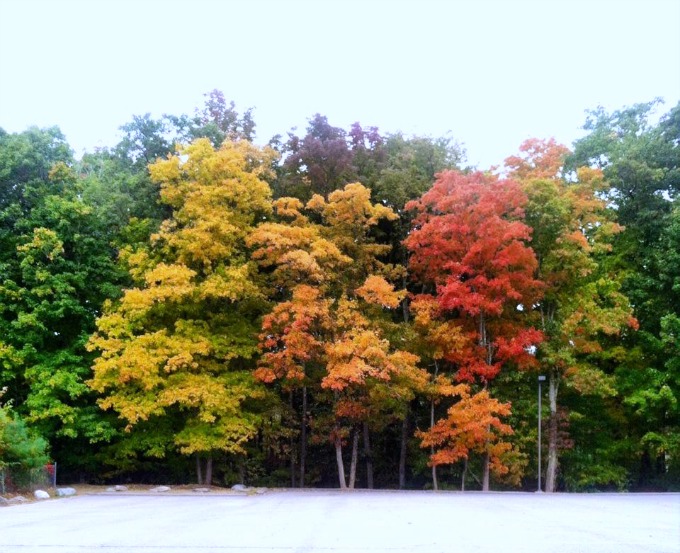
(583, 313)
(57, 270)
(641, 160)
(21, 451)
(216, 121)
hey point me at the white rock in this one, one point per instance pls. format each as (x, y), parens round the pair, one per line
(3, 502)
(65, 492)
(41, 494)
(160, 489)
(260, 490)
(17, 500)
(240, 488)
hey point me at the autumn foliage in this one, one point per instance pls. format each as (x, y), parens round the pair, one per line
(344, 307)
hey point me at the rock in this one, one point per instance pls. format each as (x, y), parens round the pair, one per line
(3, 502)
(18, 500)
(65, 492)
(240, 488)
(201, 490)
(117, 489)
(41, 494)
(260, 491)
(159, 489)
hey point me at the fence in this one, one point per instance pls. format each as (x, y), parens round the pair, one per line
(13, 480)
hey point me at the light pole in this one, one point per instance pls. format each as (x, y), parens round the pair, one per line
(541, 380)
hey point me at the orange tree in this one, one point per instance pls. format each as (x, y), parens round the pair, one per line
(330, 329)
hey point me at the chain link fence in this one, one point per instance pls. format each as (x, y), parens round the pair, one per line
(15, 480)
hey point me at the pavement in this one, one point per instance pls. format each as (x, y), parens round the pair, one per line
(355, 522)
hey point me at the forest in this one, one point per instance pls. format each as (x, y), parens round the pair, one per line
(342, 307)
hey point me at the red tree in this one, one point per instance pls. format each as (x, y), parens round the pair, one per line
(469, 246)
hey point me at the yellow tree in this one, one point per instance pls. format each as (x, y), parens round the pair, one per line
(180, 345)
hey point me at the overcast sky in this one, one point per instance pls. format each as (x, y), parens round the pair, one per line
(492, 73)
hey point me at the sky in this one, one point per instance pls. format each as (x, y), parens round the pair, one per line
(488, 73)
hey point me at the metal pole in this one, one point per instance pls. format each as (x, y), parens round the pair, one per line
(541, 378)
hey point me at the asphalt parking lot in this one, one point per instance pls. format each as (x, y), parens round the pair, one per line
(333, 521)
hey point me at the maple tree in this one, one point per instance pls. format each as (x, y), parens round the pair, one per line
(537, 159)
(572, 231)
(469, 246)
(325, 323)
(473, 425)
(179, 343)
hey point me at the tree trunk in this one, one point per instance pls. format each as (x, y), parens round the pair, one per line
(242, 471)
(293, 465)
(485, 473)
(303, 437)
(355, 457)
(551, 471)
(341, 466)
(208, 470)
(199, 473)
(435, 481)
(462, 480)
(402, 453)
(405, 303)
(369, 457)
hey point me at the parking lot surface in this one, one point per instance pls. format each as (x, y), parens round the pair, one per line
(357, 522)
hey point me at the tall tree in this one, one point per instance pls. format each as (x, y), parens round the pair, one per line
(328, 329)
(641, 161)
(469, 247)
(179, 346)
(582, 304)
(57, 268)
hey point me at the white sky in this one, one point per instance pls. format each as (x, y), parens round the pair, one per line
(493, 73)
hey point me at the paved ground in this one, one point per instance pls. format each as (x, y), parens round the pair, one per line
(330, 521)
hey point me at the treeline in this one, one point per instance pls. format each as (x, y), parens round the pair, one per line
(342, 307)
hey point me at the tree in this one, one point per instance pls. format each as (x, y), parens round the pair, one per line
(216, 121)
(145, 140)
(326, 336)
(179, 346)
(472, 424)
(26, 159)
(411, 166)
(21, 450)
(582, 304)
(318, 163)
(468, 247)
(57, 270)
(641, 161)
(538, 159)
